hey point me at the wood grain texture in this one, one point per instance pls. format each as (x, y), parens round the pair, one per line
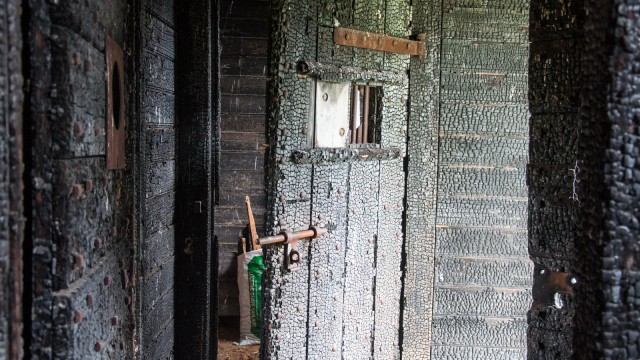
(243, 87)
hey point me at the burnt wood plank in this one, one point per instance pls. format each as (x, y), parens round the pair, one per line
(195, 286)
(12, 205)
(422, 184)
(326, 262)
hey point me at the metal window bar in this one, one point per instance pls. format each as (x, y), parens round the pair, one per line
(360, 114)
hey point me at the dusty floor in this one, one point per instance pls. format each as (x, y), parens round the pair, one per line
(227, 334)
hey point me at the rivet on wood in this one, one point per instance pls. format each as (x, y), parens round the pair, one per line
(89, 300)
(78, 260)
(108, 280)
(76, 58)
(88, 185)
(78, 129)
(76, 191)
(278, 337)
(299, 308)
(98, 346)
(97, 243)
(282, 199)
(318, 272)
(78, 316)
(114, 320)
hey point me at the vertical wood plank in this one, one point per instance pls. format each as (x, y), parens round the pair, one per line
(289, 203)
(362, 232)
(326, 262)
(422, 152)
(194, 109)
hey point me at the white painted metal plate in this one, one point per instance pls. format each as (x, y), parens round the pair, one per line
(332, 114)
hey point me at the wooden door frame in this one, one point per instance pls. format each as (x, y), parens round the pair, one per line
(197, 107)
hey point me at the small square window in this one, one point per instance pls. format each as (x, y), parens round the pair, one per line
(346, 114)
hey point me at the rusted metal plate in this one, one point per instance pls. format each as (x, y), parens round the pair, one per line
(115, 122)
(379, 42)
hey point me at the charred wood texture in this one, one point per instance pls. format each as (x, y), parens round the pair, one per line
(195, 286)
(83, 284)
(466, 192)
(11, 190)
(156, 195)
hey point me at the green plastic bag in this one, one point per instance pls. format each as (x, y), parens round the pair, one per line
(250, 270)
(256, 268)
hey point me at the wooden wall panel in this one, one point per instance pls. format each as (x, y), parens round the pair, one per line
(244, 32)
(467, 223)
(83, 259)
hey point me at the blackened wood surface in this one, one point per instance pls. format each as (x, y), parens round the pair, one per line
(621, 169)
(244, 31)
(344, 301)
(83, 263)
(466, 193)
(11, 190)
(157, 164)
(37, 126)
(194, 206)
(556, 82)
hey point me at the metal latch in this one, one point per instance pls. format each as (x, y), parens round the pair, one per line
(290, 240)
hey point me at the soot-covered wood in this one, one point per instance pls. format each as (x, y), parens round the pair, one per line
(466, 192)
(82, 230)
(11, 191)
(344, 301)
(157, 162)
(197, 85)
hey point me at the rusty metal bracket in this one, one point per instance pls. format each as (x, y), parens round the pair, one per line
(379, 42)
(115, 121)
(290, 240)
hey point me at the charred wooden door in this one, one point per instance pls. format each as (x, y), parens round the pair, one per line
(344, 300)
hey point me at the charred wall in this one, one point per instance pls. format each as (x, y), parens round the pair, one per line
(621, 269)
(11, 190)
(556, 81)
(157, 164)
(83, 283)
(584, 175)
(244, 27)
(467, 280)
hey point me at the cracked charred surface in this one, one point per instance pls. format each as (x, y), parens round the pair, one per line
(344, 301)
(466, 192)
(11, 190)
(84, 273)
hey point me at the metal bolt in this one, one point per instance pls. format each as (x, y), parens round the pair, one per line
(325, 96)
(88, 185)
(282, 199)
(108, 280)
(341, 131)
(114, 320)
(89, 300)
